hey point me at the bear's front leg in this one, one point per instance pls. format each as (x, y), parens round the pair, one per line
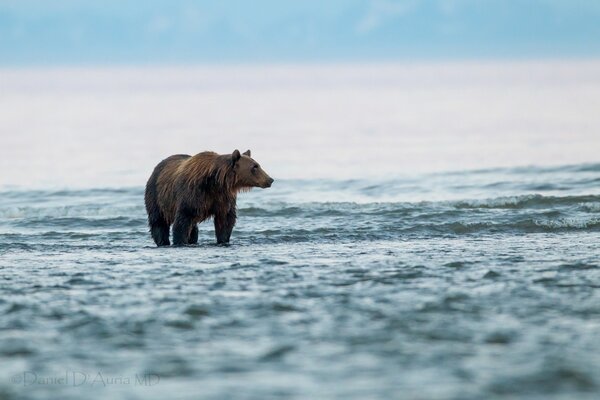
(231, 218)
(182, 228)
(193, 239)
(224, 226)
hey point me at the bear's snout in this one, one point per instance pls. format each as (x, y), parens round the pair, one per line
(268, 183)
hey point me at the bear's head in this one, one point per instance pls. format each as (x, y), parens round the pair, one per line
(248, 172)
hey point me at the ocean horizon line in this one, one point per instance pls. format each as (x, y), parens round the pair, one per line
(333, 63)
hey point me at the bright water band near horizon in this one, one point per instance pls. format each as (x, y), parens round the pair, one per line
(106, 127)
(432, 233)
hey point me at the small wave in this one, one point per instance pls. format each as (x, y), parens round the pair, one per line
(80, 281)
(517, 226)
(23, 194)
(578, 266)
(591, 207)
(68, 211)
(529, 201)
(595, 167)
(79, 222)
(569, 224)
(287, 211)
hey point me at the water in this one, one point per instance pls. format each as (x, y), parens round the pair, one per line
(432, 233)
(330, 289)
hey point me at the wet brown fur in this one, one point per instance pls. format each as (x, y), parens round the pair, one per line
(184, 191)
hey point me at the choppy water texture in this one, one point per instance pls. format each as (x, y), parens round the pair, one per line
(471, 285)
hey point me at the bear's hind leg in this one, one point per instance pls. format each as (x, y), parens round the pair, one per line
(160, 233)
(193, 235)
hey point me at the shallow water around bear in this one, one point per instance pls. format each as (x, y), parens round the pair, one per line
(329, 289)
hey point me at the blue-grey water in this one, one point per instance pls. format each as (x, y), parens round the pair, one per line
(463, 285)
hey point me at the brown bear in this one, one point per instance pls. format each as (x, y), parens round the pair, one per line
(185, 190)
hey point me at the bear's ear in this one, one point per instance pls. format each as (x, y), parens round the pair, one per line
(247, 153)
(235, 156)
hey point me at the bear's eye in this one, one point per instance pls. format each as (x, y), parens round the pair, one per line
(254, 169)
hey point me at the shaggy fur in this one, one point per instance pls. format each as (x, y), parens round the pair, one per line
(184, 191)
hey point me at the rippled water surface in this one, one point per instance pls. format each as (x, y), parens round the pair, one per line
(468, 285)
